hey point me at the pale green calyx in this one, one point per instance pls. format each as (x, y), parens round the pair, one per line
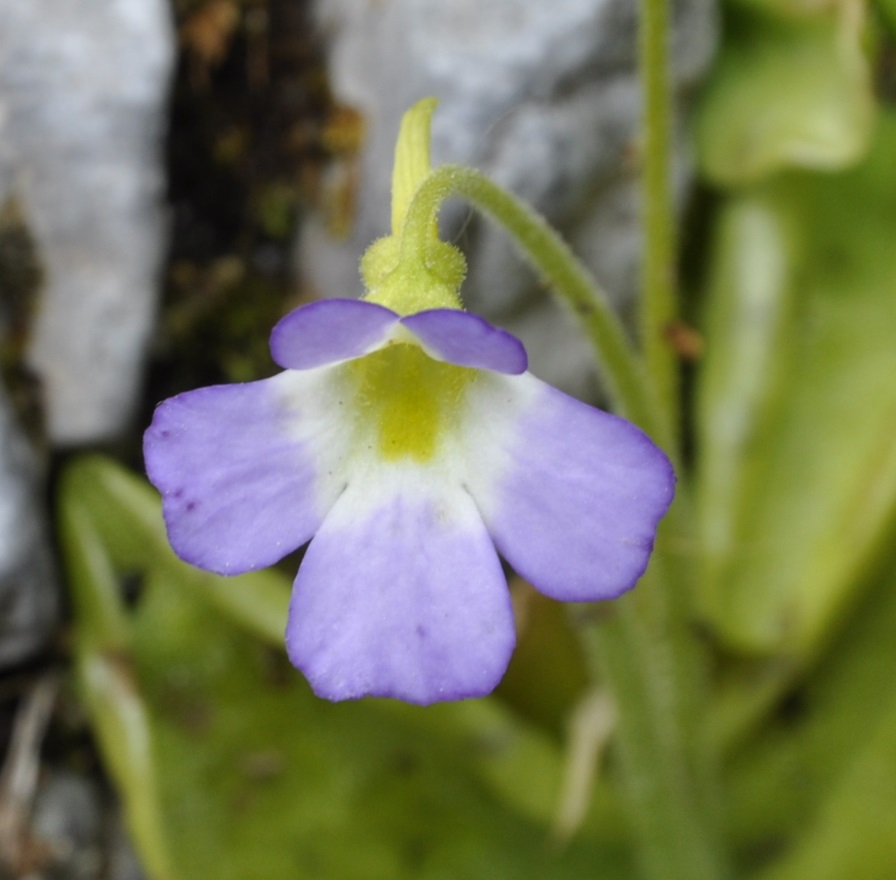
(411, 270)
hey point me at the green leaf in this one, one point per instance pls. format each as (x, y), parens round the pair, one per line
(799, 10)
(853, 833)
(785, 94)
(888, 12)
(797, 403)
(816, 786)
(105, 680)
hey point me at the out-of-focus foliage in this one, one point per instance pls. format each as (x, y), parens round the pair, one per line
(795, 419)
(817, 781)
(797, 406)
(788, 90)
(887, 10)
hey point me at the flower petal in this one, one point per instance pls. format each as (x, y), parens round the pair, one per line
(401, 594)
(571, 495)
(244, 470)
(466, 340)
(329, 331)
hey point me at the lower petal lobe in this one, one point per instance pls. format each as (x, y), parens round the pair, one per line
(571, 495)
(240, 486)
(401, 594)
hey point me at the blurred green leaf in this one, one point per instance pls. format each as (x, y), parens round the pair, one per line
(795, 9)
(786, 93)
(888, 11)
(853, 834)
(797, 402)
(547, 675)
(256, 777)
(260, 778)
(816, 786)
(106, 683)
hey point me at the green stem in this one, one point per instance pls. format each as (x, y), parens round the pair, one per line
(559, 268)
(658, 296)
(642, 646)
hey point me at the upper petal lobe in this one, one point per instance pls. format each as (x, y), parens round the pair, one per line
(466, 340)
(329, 331)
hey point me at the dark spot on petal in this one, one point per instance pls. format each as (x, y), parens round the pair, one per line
(421, 631)
(190, 506)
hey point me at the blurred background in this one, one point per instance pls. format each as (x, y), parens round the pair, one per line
(175, 175)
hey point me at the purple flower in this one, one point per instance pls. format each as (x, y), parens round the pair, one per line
(409, 451)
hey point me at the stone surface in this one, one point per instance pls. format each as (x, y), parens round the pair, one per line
(121, 860)
(29, 599)
(73, 831)
(542, 95)
(68, 825)
(83, 85)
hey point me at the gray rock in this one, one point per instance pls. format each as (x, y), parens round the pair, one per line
(122, 861)
(29, 599)
(82, 91)
(543, 96)
(68, 824)
(74, 833)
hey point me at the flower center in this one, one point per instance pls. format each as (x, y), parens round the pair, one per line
(410, 399)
